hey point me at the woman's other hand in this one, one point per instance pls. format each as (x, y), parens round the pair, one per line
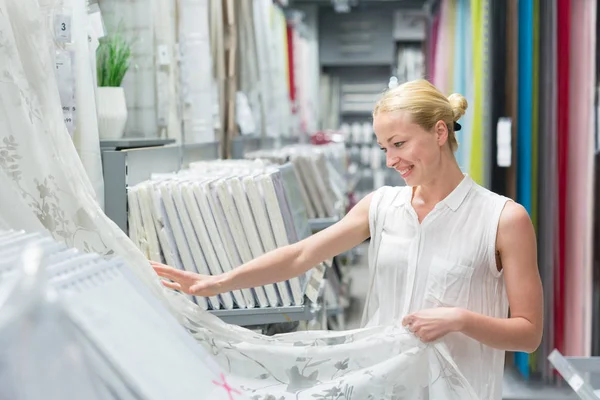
(188, 282)
(432, 324)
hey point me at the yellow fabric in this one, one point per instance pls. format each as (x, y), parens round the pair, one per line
(477, 149)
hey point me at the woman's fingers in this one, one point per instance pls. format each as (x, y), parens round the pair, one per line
(172, 285)
(169, 272)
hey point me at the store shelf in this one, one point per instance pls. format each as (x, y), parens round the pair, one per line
(134, 143)
(131, 161)
(267, 315)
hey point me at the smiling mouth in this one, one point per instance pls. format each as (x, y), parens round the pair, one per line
(406, 170)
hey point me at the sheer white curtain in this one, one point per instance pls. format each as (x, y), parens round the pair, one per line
(77, 83)
(39, 164)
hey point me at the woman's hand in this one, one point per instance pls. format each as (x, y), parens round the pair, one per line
(432, 324)
(188, 282)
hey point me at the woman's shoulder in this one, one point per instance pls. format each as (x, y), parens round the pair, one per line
(484, 194)
(389, 194)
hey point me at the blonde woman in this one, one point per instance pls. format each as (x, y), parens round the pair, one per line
(447, 256)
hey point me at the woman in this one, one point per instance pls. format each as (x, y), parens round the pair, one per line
(448, 257)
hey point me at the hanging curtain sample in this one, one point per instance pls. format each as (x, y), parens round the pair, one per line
(547, 177)
(498, 14)
(580, 168)
(478, 21)
(488, 78)
(167, 69)
(524, 148)
(217, 44)
(248, 107)
(197, 97)
(444, 47)
(562, 123)
(71, 54)
(279, 54)
(86, 137)
(462, 78)
(534, 138)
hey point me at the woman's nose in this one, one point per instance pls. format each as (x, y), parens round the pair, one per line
(390, 161)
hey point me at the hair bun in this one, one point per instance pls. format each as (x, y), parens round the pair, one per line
(459, 105)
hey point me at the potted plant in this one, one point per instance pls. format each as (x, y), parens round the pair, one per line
(112, 60)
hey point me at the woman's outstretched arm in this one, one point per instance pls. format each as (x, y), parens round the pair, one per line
(280, 264)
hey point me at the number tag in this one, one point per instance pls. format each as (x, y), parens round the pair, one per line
(62, 28)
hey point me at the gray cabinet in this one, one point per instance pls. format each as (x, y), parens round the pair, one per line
(356, 39)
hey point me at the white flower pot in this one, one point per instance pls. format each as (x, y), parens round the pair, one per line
(112, 112)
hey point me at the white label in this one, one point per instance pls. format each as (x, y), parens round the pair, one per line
(163, 55)
(95, 20)
(64, 76)
(576, 382)
(69, 120)
(503, 141)
(62, 28)
(314, 284)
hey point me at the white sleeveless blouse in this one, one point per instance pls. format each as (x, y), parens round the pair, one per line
(447, 260)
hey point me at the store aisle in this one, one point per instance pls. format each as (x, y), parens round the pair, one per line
(515, 388)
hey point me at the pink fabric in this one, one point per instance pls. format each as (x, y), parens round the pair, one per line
(580, 178)
(442, 62)
(433, 47)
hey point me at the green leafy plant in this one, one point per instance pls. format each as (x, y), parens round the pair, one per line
(113, 59)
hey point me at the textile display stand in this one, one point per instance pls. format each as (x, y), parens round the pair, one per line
(581, 373)
(126, 166)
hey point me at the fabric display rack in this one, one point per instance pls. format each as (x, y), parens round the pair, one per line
(529, 72)
(211, 216)
(91, 323)
(211, 228)
(216, 216)
(321, 172)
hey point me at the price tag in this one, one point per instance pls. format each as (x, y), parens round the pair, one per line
(576, 382)
(64, 76)
(96, 21)
(504, 146)
(163, 55)
(62, 28)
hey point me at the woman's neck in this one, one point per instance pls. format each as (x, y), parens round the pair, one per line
(438, 188)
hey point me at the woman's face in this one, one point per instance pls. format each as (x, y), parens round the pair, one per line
(411, 150)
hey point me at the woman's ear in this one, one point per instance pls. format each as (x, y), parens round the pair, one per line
(441, 132)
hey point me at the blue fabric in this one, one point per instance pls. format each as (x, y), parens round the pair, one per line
(459, 80)
(524, 127)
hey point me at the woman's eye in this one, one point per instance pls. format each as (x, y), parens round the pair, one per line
(382, 149)
(398, 144)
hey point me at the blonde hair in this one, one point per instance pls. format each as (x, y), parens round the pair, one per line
(426, 106)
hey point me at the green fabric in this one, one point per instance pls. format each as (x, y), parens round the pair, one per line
(477, 148)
